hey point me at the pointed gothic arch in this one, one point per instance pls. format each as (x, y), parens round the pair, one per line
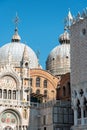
(78, 109)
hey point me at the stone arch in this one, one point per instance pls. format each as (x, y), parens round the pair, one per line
(38, 91)
(11, 118)
(8, 128)
(78, 109)
(14, 76)
(85, 107)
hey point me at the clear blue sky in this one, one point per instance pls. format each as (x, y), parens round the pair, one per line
(41, 22)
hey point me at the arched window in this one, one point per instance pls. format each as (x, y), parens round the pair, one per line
(78, 109)
(14, 94)
(0, 93)
(85, 107)
(68, 88)
(5, 94)
(9, 94)
(7, 128)
(64, 91)
(37, 91)
(45, 93)
(26, 64)
(45, 83)
(37, 82)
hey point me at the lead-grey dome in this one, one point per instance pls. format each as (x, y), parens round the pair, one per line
(16, 50)
(58, 61)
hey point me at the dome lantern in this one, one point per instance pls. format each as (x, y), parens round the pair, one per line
(64, 38)
(16, 37)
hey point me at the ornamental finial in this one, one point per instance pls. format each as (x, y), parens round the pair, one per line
(68, 20)
(16, 20)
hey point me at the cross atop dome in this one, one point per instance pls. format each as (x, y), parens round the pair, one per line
(16, 37)
(16, 20)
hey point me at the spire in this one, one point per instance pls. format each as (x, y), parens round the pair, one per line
(25, 54)
(68, 20)
(79, 17)
(16, 37)
(25, 58)
(38, 54)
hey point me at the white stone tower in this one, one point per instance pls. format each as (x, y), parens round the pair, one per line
(79, 70)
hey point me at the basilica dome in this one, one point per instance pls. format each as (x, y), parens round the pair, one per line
(58, 61)
(16, 50)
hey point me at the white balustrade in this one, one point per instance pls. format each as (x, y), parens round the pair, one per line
(13, 102)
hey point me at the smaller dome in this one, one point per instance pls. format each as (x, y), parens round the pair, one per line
(64, 38)
(58, 61)
(16, 37)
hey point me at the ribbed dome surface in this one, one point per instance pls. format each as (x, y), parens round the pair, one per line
(16, 50)
(58, 61)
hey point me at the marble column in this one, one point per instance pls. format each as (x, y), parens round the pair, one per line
(82, 115)
(20, 128)
(24, 127)
(75, 115)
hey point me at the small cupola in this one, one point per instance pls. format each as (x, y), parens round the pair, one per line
(64, 38)
(16, 37)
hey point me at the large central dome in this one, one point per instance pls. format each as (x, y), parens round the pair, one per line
(16, 50)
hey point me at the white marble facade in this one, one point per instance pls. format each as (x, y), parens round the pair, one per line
(79, 71)
(14, 111)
